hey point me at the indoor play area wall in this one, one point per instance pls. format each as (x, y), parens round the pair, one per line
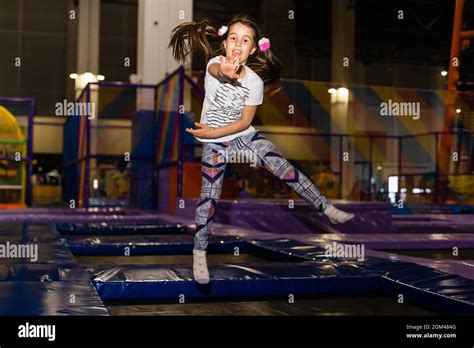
(390, 157)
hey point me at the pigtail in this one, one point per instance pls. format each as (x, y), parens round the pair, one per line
(268, 67)
(193, 37)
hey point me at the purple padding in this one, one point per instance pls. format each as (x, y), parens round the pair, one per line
(275, 216)
(408, 241)
(77, 216)
(78, 211)
(433, 223)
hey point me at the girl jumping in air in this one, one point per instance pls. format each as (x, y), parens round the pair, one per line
(242, 70)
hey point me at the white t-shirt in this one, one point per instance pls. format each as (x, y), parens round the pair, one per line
(224, 102)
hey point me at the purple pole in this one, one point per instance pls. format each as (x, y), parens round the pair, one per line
(180, 132)
(435, 197)
(88, 150)
(29, 152)
(399, 164)
(155, 169)
(371, 173)
(340, 165)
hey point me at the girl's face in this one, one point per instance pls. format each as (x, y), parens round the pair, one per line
(239, 43)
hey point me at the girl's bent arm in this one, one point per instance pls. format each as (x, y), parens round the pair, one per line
(243, 123)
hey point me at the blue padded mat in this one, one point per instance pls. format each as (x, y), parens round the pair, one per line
(447, 293)
(180, 244)
(288, 249)
(110, 228)
(40, 288)
(155, 282)
(49, 298)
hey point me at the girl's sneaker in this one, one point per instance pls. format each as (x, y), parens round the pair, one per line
(200, 271)
(337, 216)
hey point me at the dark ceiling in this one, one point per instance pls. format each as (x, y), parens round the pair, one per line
(424, 34)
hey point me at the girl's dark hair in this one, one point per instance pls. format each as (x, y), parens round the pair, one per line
(192, 37)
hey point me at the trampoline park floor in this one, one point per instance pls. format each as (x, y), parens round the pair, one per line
(87, 257)
(330, 305)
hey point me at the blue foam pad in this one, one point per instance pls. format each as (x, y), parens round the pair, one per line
(75, 273)
(150, 246)
(154, 282)
(284, 249)
(427, 287)
(447, 293)
(108, 228)
(124, 239)
(49, 298)
(281, 249)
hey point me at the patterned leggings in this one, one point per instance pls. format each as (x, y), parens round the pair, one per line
(255, 149)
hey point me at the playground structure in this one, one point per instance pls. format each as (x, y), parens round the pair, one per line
(160, 164)
(16, 153)
(145, 148)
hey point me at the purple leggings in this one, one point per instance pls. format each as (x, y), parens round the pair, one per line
(255, 149)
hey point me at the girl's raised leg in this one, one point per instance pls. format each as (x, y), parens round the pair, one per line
(270, 158)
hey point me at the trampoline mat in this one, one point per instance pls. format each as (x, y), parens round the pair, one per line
(330, 305)
(435, 254)
(125, 238)
(212, 259)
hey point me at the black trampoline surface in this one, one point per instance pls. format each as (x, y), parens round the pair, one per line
(212, 259)
(327, 305)
(123, 238)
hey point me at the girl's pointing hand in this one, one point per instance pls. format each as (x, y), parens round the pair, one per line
(230, 66)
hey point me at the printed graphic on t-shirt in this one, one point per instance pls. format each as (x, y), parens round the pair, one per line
(227, 106)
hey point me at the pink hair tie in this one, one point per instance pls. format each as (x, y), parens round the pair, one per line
(264, 44)
(222, 30)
